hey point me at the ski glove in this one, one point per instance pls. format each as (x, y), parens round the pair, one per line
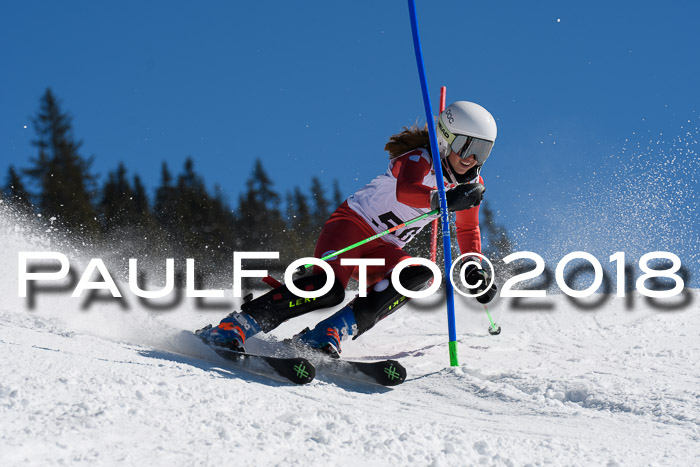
(472, 275)
(459, 198)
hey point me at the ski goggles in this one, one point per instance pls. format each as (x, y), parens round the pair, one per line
(466, 146)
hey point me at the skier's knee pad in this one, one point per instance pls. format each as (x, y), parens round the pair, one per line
(380, 303)
(279, 305)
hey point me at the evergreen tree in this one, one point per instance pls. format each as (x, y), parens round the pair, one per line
(205, 226)
(123, 205)
(15, 192)
(321, 207)
(337, 194)
(300, 234)
(142, 209)
(302, 214)
(164, 207)
(291, 209)
(227, 229)
(193, 208)
(117, 208)
(258, 212)
(63, 176)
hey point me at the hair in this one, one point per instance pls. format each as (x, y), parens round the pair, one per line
(410, 138)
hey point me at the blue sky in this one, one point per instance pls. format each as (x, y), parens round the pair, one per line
(592, 99)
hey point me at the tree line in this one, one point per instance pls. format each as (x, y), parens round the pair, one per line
(183, 219)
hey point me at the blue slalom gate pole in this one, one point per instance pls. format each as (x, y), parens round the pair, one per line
(444, 214)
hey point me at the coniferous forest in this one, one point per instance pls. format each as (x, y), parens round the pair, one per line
(118, 219)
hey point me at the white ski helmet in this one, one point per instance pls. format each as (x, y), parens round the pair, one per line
(466, 128)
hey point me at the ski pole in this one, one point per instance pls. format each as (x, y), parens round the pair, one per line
(301, 269)
(493, 330)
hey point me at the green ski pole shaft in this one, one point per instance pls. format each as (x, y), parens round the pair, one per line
(301, 269)
(494, 329)
(493, 325)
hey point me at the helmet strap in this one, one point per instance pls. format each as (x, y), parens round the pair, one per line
(447, 171)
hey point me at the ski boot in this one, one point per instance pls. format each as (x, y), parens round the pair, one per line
(363, 312)
(329, 333)
(231, 332)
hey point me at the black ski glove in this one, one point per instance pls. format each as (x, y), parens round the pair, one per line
(472, 275)
(461, 197)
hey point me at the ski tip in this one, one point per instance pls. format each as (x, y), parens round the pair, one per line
(302, 371)
(393, 373)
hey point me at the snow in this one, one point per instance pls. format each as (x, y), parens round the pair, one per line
(617, 385)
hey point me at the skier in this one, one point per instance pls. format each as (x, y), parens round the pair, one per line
(466, 133)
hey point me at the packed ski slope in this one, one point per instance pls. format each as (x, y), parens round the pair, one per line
(613, 387)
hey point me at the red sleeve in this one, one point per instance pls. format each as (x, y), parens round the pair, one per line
(410, 169)
(468, 232)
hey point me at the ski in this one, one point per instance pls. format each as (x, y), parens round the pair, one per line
(383, 372)
(298, 370)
